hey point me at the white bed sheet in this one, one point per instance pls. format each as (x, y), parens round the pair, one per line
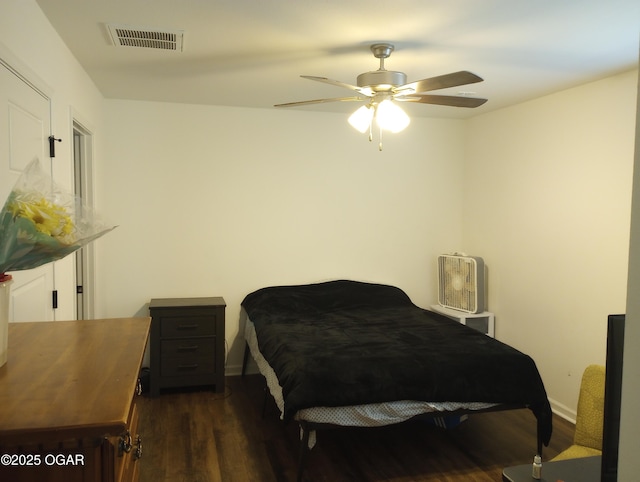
(368, 415)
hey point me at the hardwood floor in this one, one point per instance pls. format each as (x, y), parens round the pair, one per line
(201, 436)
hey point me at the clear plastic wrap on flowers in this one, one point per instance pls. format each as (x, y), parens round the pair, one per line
(40, 222)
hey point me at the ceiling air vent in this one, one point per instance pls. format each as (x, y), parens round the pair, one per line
(150, 38)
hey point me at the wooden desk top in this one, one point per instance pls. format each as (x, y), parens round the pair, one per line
(70, 379)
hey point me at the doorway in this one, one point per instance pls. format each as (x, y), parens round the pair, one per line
(83, 188)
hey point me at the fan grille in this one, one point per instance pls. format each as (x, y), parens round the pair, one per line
(461, 283)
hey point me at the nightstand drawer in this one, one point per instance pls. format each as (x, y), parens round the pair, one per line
(185, 326)
(187, 347)
(173, 367)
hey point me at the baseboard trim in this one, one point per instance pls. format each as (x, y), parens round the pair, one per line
(563, 411)
(236, 370)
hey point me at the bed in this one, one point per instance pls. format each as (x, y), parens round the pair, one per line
(354, 353)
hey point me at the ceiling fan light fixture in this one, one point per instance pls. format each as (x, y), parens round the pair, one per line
(380, 87)
(390, 117)
(361, 118)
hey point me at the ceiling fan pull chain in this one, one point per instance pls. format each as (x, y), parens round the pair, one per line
(380, 144)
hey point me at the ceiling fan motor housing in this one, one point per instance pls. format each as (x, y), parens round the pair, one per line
(381, 80)
(382, 85)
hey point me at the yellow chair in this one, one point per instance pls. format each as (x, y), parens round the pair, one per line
(587, 439)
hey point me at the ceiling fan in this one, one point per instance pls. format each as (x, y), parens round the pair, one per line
(380, 87)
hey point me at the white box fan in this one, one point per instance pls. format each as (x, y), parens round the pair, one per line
(461, 282)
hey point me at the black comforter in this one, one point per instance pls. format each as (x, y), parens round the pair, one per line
(348, 343)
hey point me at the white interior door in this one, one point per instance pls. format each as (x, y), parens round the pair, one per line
(24, 133)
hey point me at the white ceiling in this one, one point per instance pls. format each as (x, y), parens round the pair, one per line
(251, 53)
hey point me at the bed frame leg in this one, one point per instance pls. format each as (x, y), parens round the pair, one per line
(304, 450)
(245, 358)
(539, 447)
(264, 401)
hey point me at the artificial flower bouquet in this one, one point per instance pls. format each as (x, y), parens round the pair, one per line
(40, 223)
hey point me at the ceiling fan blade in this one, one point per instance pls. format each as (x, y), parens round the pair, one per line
(320, 101)
(441, 82)
(362, 90)
(451, 100)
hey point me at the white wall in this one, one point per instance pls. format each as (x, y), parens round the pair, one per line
(548, 199)
(31, 45)
(218, 201)
(628, 463)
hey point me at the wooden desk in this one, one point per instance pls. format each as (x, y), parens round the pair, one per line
(585, 469)
(67, 400)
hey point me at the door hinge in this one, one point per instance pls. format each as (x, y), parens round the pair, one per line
(54, 299)
(52, 146)
(79, 289)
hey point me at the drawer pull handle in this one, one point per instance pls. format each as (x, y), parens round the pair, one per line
(188, 348)
(192, 326)
(139, 387)
(138, 452)
(188, 367)
(125, 443)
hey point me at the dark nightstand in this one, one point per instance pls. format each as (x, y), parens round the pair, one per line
(187, 343)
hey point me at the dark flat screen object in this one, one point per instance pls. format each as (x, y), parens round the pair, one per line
(612, 398)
